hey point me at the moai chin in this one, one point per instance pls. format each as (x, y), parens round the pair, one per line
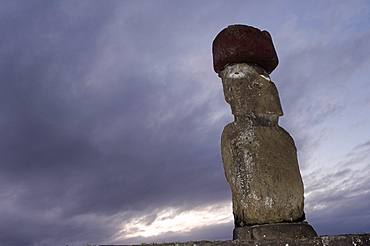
(259, 156)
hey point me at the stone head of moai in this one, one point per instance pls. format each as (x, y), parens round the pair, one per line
(249, 91)
(260, 158)
(244, 56)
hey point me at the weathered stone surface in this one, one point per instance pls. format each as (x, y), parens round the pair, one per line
(241, 44)
(259, 157)
(248, 90)
(275, 231)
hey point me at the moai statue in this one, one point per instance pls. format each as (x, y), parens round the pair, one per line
(259, 156)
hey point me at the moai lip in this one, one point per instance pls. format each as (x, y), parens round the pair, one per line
(244, 44)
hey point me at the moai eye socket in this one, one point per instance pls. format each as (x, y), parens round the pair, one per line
(236, 75)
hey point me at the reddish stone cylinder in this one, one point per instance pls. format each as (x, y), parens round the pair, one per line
(244, 44)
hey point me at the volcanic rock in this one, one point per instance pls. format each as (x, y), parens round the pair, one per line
(243, 44)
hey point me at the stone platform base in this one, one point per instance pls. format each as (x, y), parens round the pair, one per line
(299, 230)
(341, 240)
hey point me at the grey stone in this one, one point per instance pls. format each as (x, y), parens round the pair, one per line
(275, 231)
(259, 156)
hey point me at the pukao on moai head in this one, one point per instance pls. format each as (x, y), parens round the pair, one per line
(259, 156)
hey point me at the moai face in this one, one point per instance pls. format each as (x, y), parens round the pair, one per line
(249, 91)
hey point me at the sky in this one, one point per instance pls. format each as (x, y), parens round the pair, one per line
(111, 117)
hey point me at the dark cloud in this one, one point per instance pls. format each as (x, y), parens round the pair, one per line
(80, 144)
